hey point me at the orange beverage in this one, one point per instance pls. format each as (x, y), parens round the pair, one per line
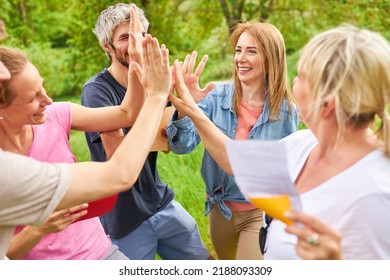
(274, 206)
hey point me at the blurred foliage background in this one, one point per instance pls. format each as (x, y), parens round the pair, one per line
(57, 35)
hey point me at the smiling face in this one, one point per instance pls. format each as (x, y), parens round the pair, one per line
(29, 105)
(120, 43)
(249, 60)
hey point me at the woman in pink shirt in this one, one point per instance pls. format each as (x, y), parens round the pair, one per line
(31, 124)
(43, 187)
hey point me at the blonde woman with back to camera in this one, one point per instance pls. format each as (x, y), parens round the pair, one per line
(341, 165)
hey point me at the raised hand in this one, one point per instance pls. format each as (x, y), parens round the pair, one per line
(316, 240)
(191, 78)
(155, 75)
(135, 36)
(183, 100)
(135, 94)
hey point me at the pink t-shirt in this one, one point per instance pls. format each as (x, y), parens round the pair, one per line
(79, 241)
(247, 118)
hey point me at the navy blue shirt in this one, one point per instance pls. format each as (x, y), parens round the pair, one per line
(148, 194)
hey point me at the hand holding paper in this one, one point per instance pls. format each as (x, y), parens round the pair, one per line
(261, 172)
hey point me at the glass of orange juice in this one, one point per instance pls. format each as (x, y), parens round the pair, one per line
(274, 206)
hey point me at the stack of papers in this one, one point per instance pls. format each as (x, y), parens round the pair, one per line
(262, 174)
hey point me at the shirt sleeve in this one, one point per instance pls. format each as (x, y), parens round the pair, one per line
(61, 112)
(95, 95)
(29, 190)
(182, 135)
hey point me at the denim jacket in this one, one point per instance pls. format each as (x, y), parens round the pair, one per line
(218, 106)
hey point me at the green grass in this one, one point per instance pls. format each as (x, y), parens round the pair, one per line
(182, 174)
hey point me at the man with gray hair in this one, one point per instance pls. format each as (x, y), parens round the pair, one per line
(146, 219)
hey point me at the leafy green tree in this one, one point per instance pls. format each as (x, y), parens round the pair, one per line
(30, 22)
(240, 10)
(58, 34)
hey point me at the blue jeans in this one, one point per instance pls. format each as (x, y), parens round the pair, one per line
(172, 233)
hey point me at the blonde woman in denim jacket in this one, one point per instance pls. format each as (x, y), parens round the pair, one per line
(257, 104)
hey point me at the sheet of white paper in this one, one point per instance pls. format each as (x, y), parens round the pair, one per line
(261, 169)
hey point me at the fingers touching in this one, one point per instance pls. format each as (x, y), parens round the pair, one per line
(135, 22)
(155, 75)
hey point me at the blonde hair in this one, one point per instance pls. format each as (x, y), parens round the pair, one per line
(15, 61)
(271, 43)
(351, 65)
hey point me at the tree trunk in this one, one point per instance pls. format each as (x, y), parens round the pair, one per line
(23, 13)
(232, 11)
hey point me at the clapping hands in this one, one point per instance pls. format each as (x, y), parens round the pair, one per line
(183, 100)
(135, 36)
(155, 76)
